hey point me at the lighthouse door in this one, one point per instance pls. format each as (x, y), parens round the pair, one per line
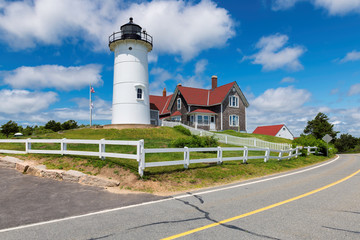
(212, 123)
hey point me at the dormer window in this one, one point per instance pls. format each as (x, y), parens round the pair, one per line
(234, 101)
(178, 103)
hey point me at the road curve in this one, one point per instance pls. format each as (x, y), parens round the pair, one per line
(317, 202)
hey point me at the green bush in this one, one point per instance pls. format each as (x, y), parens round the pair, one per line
(310, 140)
(183, 130)
(194, 142)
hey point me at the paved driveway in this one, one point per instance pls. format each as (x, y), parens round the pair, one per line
(26, 199)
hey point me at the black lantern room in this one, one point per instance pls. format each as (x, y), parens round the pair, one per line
(130, 30)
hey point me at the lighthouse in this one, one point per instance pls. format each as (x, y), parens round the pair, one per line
(131, 77)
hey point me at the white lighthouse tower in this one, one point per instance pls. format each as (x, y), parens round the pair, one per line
(131, 77)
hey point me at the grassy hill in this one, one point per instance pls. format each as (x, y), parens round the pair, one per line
(158, 179)
(258, 136)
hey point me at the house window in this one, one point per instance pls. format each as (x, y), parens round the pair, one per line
(192, 119)
(234, 101)
(203, 120)
(200, 119)
(139, 95)
(178, 104)
(233, 120)
(176, 119)
(206, 120)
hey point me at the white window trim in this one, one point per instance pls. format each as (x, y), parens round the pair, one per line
(142, 93)
(202, 118)
(230, 121)
(230, 101)
(178, 104)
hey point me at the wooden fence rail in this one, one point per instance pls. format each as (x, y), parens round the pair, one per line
(141, 152)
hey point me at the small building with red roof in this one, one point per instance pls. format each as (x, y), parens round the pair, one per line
(219, 108)
(275, 130)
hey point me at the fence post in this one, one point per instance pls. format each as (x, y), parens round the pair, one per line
(101, 149)
(142, 158)
(27, 145)
(267, 155)
(226, 141)
(63, 146)
(308, 150)
(280, 155)
(219, 155)
(246, 153)
(255, 142)
(296, 151)
(186, 157)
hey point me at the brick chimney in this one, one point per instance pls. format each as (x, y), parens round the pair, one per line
(213, 82)
(164, 92)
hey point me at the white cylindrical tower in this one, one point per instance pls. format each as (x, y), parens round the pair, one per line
(131, 77)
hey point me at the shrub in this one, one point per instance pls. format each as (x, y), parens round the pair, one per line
(194, 141)
(310, 140)
(183, 130)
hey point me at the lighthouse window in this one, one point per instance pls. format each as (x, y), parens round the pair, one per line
(139, 93)
(130, 48)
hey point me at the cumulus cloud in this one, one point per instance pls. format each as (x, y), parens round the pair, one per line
(175, 25)
(354, 89)
(54, 76)
(101, 110)
(283, 4)
(351, 56)
(288, 80)
(200, 66)
(333, 7)
(273, 54)
(23, 101)
(281, 99)
(158, 83)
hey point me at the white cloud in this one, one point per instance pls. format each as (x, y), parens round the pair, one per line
(159, 82)
(351, 56)
(288, 80)
(54, 76)
(22, 101)
(281, 99)
(334, 7)
(354, 89)
(283, 4)
(178, 27)
(200, 66)
(274, 55)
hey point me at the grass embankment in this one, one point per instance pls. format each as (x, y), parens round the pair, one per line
(258, 136)
(159, 179)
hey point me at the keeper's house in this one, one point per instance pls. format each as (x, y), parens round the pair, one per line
(218, 108)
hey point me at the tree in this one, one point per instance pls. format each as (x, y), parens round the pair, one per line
(70, 124)
(345, 142)
(320, 126)
(52, 125)
(9, 128)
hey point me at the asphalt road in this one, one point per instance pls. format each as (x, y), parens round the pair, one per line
(321, 202)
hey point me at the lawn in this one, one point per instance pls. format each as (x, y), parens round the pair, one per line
(159, 179)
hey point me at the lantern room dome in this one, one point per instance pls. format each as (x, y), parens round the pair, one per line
(132, 31)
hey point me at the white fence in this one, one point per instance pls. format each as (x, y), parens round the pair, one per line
(141, 152)
(186, 161)
(63, 147)
(228, 139)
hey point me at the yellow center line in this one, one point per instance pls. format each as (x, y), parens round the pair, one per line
(260, 209)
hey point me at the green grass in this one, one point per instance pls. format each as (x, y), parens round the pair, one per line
(258, 136)
(170, 178)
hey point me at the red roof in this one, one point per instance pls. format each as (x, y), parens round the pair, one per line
(268, 130)
(202, 111)
(177, 113)
(205, 97)
(161, 103)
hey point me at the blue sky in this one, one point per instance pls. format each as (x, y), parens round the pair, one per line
(291, 58)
